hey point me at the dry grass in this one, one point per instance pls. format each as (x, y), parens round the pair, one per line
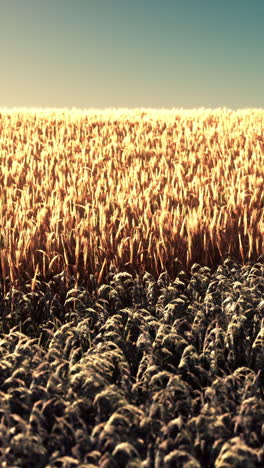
(139, 190)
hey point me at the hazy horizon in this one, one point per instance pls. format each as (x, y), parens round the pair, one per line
(113, 54)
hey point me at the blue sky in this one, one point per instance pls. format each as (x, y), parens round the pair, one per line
(132, 53)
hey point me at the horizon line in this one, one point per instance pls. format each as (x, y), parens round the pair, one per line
(123, 108)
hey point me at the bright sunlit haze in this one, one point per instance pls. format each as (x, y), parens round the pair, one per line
(131, 54)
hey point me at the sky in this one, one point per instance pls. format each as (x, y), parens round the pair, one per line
(132, 53)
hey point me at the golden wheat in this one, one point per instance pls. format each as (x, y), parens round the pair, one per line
(138, 190)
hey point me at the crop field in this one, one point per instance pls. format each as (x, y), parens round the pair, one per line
(131, 288)
(139, 191)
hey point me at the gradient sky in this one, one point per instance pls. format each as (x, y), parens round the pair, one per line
(132, 53)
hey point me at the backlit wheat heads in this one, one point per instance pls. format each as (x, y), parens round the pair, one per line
(86, 191)
(173, 377)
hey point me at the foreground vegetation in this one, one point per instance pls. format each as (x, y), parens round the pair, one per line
(138, 374)
(131, 289)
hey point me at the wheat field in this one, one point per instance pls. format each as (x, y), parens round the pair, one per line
(131, 288)
(135, 190)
